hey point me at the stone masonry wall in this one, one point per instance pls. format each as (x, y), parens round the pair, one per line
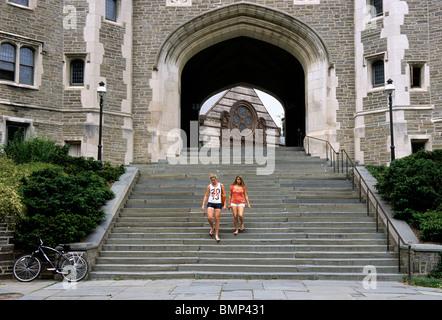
(154, 21)
(65, 30)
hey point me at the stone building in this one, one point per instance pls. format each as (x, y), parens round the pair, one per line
(326, 61)
(238, 108)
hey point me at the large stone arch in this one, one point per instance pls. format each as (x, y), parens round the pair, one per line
(242, 20)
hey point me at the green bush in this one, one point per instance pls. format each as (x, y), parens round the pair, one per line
(11, 175)
(59, 199)
(35, 149)
(413, 185)
(60, 207)
(437, 272)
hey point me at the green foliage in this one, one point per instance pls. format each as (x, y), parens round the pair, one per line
(61, 207)
(413, 185)
(57, 197)
(10, 180)
(35, 149)
(437, 272)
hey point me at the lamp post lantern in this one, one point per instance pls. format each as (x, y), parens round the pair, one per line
(389, 90)
(101, 90)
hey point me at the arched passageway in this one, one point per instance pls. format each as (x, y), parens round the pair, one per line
(243, 44)
(245, 61)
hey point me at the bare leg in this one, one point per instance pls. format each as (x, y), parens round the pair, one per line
(241, 217)
(210, 218)
(235, 219)
(217, 216)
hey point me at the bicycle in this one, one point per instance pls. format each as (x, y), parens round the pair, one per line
(71, 265)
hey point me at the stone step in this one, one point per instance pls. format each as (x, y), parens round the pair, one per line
(134, 260)
(242, 268)
(306, 222)
(245, 241)
(345, 276)
(272, 246)
(309, 255)
(129, 234)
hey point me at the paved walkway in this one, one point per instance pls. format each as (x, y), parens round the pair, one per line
(188, 289)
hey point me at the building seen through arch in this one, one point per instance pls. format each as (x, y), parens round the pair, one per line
(240, 113)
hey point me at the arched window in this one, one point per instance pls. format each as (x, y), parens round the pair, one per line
(7, 61)
(77, 72)
(243, 116)
(378, 73)
(26, 65)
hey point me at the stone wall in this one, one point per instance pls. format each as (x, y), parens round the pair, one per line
(61, 31)
(143, 98)
(405, 35)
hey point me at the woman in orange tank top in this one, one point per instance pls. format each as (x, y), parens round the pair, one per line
(237, 199)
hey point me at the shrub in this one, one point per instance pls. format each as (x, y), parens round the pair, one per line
(60, 207)
(429, 223)
(11, 202)
(413, 185)
(59, 199)
(35, 149)
(437, 272)
(414, 182)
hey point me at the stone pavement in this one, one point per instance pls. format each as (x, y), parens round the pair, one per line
(197, 290)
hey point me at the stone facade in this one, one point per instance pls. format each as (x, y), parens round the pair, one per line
(155, 56)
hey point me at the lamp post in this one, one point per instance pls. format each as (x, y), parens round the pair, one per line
(389, 90)
(101, 90)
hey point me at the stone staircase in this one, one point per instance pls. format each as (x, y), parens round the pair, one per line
(305, 223)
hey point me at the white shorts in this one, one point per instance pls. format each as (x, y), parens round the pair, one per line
(237, 204)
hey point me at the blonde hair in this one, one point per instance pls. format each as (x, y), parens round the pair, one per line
(212, 175)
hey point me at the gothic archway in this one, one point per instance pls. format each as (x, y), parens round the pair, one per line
(174, 103)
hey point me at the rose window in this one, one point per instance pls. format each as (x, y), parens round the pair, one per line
(242, 118)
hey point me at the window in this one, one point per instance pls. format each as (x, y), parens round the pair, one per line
(378, 77)
(417, 145)
(377, 8)
(111, 10)
(74, 148)
(22, 2)
(26, 66)
(243, 117)
(20, 61)
(7, 61)
(77, 72)
(16, 130)
(415, 76)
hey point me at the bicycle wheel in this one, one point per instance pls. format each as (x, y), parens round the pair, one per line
(27, 268)
(74, 267)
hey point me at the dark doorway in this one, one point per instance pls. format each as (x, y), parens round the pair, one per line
(245, 61)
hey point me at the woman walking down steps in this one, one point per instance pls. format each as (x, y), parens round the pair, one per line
(237, 199)
(216, 194)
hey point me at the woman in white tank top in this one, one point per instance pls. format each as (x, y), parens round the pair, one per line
(214, 193)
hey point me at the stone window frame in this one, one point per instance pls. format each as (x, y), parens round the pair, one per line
(117, 12)
(69, 58)
(32, 4)
(422, 73)
(26, 124)
(19, 43)
(370, 61)
(371, 4)
(178, 3)
(254, 116)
